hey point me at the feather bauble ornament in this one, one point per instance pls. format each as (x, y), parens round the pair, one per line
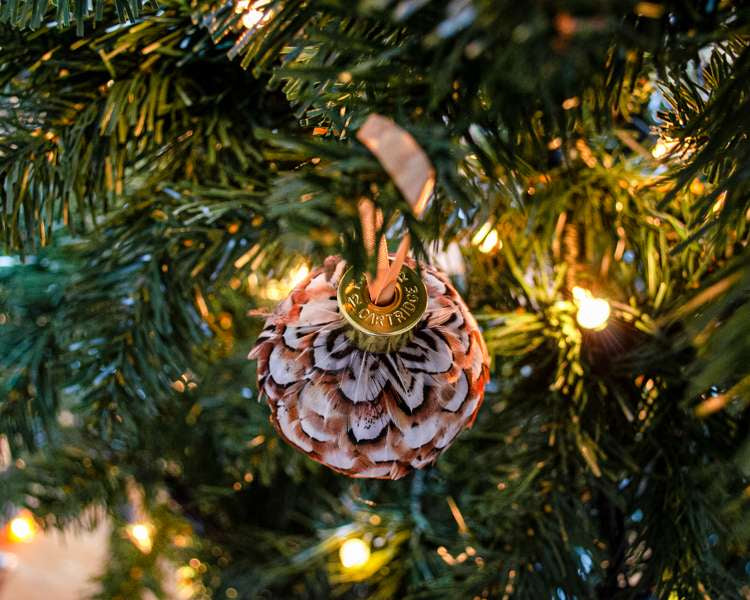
(369, 407)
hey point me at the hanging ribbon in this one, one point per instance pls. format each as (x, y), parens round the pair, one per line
(409, 167)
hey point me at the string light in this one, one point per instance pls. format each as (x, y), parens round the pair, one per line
(141, 534)
(354, 553)
(278, 289)
(252, 17)
(593, 313)
(487, 239)
(254, 14)
(22, 529)
(662, 148)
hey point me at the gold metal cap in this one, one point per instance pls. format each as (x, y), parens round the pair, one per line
(399, 316)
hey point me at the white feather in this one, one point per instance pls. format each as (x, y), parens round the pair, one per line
(291, 429)
(284, 370)
(459, 394)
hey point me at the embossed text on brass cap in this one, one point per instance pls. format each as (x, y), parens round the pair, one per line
(399, 316)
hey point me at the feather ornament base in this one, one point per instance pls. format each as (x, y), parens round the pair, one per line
(364, 413)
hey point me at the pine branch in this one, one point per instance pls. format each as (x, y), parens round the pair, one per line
(89, 120)
(33, 14)
(707, 119)
(128, 316)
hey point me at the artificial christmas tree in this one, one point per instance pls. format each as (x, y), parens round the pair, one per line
(171, 172)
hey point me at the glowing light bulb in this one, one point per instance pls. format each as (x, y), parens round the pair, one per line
(662, 148)
(354, 553)
(252, 17)
(593, 313)
(22, 529)
(487, 239)
(141, 536)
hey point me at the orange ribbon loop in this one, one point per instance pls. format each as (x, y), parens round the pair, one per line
(410, 168)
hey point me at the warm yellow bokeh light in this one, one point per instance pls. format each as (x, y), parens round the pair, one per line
(185, 585)
(481, 233)
(489, 243)
(354, 553)
(278, 289)
(486, 238)
(662, 148)
(21, 529)
(593, 313)
(298, 275)
(252, 17)
(140, 535)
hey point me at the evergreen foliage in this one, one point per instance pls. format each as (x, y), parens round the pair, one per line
(165, 167)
